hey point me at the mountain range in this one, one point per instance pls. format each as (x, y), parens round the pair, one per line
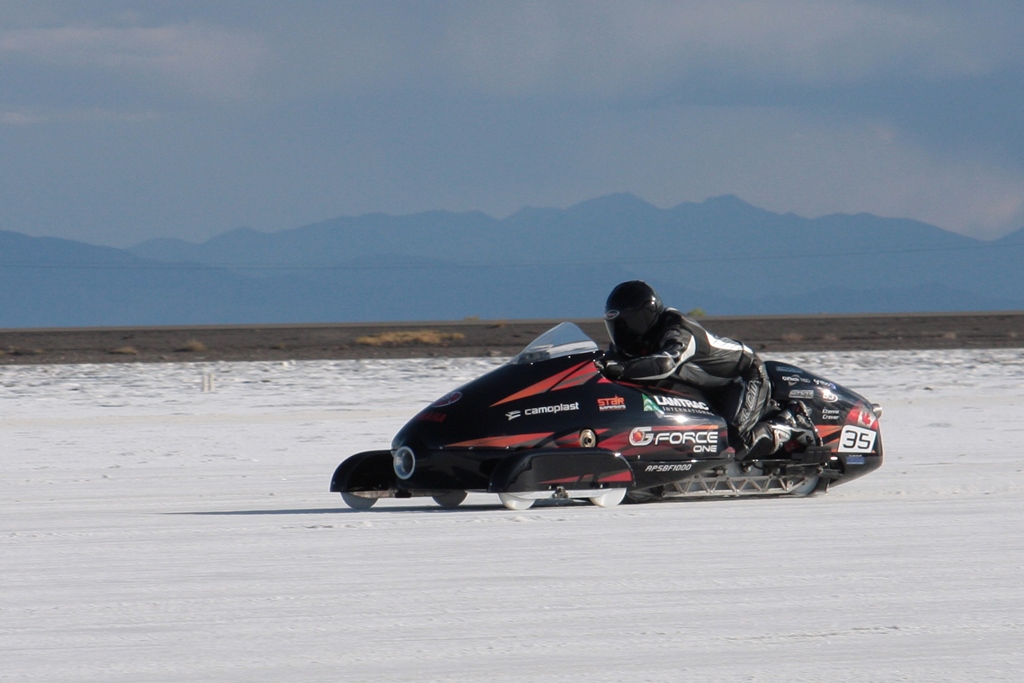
(723, 256)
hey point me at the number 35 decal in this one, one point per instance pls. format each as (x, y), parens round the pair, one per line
(856, 440)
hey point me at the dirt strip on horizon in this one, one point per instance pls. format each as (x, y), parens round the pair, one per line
(327, 341)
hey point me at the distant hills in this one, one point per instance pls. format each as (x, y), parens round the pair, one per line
(721, 255)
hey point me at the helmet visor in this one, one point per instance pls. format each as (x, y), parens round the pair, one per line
(627, 328)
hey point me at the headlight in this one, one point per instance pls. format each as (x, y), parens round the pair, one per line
(404, 461)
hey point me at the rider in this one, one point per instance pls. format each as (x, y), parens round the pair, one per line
(651, 343)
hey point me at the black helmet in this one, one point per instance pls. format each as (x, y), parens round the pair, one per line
(632, 309)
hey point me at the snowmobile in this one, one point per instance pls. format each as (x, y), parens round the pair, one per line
(548, 424)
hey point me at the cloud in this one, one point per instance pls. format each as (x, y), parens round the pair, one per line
(785, 159)
(29, 117)
(18, 118)
(205, 61)
(270, 114)
(578, 50)
(590, 50)
(615, 48)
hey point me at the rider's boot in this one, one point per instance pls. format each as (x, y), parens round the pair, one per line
(765, 438)
(789, 430)
(804, 435)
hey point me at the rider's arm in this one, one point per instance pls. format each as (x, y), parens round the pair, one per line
(677, 347)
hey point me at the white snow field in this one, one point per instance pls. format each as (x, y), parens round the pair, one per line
(154, 531)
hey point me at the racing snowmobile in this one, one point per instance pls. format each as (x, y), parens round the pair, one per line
(549, 425)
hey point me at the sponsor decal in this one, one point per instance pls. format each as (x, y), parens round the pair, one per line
(795, 379)
(801, 393)
(680, 403)
(702, 441)
(823, 383)
(856, 440)
(866, 418)
(513, 414)
(640, 436)
(828, 397)
(670, 467)
(830, 414)
(674, 404)
(446, 400)
(787, 368)
(855, 460)
(432, 416)
(611, 403)
(651, 407)
(551, 410)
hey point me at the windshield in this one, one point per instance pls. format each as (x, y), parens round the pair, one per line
(561, 340)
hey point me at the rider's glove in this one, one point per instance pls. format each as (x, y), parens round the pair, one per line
(610, 368)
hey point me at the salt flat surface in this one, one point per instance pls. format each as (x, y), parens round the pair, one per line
(150, 531)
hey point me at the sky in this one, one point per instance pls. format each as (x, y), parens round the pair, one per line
(125, 121)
